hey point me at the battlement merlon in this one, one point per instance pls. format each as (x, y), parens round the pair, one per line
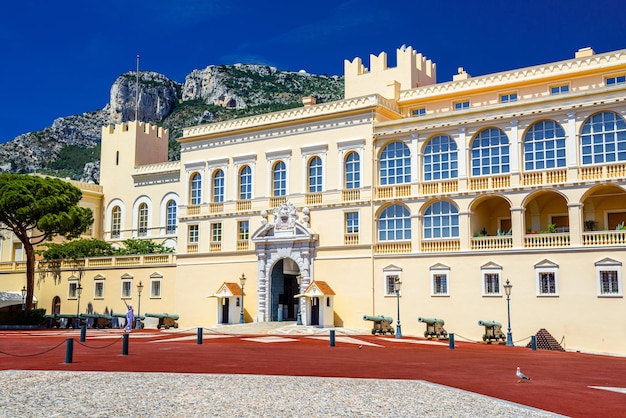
(137, 127)
(133, 144)
(412, 70)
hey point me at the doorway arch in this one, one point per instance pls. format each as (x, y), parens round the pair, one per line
(56, 305)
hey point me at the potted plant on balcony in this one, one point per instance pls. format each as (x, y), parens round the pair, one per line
(590, 225)
(620, 227)
(482, 233)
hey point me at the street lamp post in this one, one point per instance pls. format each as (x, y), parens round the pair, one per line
(299, 315)
(242, 280)
(507, 290)
(138, 321)
(397, 286)
(24, 298)
(79, 290)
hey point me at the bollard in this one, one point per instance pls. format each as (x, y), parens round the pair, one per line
(125, 345)
(69, 350)
(451, 337)
(332, 337)
(280, 313)
(199, 335)
(533, 342)
(83, 333)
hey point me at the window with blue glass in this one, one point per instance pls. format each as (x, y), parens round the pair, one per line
(171, 217)
(490, 153)
(245, 183)
(394, 224)
(420, 111)
(395, 164)
(560, 89)
(353, 171)
(508, 97)
(465, 104)
(196, 189)
(441, 220)
(603, 139)
(441, 159)
(352, 222)
(544, 146)
(279, 179)
(315, 175)
(614, 80)
(218, 186)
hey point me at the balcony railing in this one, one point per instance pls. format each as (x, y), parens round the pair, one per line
(277, 201)
(193, 210)
(488, 183)
(602, 172)
(313, 198)
(243, 245)
(544, 177)
(492, 243)
(438, 187)
(215, 247)
(216, 207)
(604, 238)
(441, 246)
(192, 248)
(244, 205)
(351, 239)
(389, 192)
(546, 240)
(392, 247)
(350, 194)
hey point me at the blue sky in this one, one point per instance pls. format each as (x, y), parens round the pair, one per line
(60, 58)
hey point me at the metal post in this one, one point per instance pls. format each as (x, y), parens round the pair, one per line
(299, 315)
(199, 338)
(533, 342)
(69, 350)
(125, 345)
(24, 291)
(242, 280)
(398, 328)
(451, 335)
(79, 290)
(138, 320)
(509, 335)
(83, 333)
(332, 337)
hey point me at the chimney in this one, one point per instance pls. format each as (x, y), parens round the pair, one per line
(584, 52)
(462, 75)
(308, 101)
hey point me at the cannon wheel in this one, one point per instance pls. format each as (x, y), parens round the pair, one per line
(391, 331)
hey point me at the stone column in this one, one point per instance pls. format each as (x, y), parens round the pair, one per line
(517, 227)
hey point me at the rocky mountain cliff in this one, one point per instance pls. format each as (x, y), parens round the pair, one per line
(70, 147)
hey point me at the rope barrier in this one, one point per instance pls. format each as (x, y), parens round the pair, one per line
(465, 338)
(104, 346)
(33, 355)
(527, 338)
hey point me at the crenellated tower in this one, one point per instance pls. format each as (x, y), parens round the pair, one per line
(412, 70)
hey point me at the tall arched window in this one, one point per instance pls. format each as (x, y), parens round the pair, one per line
(116, 222)
(441, 159)
(353, 171)
(394, 224)
(279, 179)
(490, 153)
(395, 164)
(171, 217)
(544, 146)
(142, 220)
(603, 139)
(441, 220)
(218, 186)
(196, 189)
(315, 175)
(245, 183)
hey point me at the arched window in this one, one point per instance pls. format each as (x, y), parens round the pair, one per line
(603, 139)
(394, 224)
(218, 186)
(196, 189)
(544, 146)
(395, 164)
(116, 222)
(245, 183)
(279, 179)
(490, 153)
(441, 159)
(142, 220)
(315, 175)
(353, 171)
(441, 220)
(171, 217)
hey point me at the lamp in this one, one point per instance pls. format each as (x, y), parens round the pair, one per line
(24, 298)
(242, 281)
(397, 285)
(507, 290)
(299, 316)
(79, 290)
(138, 321)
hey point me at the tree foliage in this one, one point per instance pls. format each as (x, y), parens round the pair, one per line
(37, 209)
(84, 248)
(134, 246)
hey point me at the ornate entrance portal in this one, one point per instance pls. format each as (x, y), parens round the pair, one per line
(284, 248)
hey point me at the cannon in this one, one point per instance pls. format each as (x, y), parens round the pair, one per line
(434, 328)
(382, 324)
(123, 315)
(165, 320)
(61, 320)
(98, 320)
(493, 332)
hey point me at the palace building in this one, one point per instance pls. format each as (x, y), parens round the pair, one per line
(451, 189)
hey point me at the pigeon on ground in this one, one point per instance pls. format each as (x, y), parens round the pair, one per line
(521, 376)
